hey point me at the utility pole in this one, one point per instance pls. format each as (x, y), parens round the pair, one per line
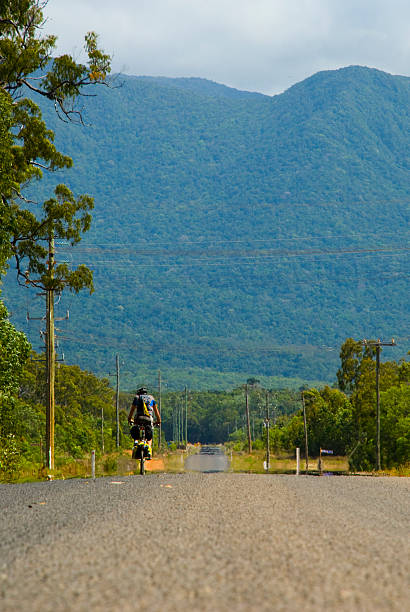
(102, 429)
(50, 353)
(50, 359)
(117, 400)
(248, 423)
(306, 434)
(378, 344)
(159, 409)
(267, 432)
(181, 422)
(186, 418)
(177, 411)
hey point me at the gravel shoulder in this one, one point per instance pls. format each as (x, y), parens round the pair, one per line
(212, 541)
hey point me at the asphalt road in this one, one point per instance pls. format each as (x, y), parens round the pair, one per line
(203, 542)
(209, 459)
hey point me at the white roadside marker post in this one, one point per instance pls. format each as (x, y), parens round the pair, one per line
(93, 464)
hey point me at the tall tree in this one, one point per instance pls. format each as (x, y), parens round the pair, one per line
(6, 182)
(29, 70)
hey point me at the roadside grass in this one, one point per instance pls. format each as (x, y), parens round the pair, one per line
(171, 462)
(174, 461)
(69, 468)
(121, 464)
(284, 463)
(113, 464)
(403, 470)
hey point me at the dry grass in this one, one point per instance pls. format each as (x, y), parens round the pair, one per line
(120, 464)
(403, 470)
(173, 462)
(284, 464)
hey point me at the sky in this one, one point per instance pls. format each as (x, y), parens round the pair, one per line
(254, 45)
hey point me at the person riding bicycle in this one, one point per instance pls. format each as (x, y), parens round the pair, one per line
(144, 406)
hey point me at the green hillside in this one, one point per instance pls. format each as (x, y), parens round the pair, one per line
(235, 233)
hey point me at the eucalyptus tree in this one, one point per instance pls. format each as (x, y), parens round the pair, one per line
(30, 71)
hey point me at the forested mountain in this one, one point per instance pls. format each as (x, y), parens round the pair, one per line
(235, 232)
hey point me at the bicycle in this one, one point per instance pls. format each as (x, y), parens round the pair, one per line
(141, 449)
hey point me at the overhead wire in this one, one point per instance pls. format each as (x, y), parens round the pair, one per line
(151, 245)
(203, 257)
(239, 258)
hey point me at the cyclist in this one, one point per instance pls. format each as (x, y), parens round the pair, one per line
(144, 406)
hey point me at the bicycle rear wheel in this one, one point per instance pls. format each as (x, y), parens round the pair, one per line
(142, 462)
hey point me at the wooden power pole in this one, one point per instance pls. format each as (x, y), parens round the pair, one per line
(306, 433)
(267, 432)
(186, 418)
(117, 400)
(50, 360)
(159, 410)
(248, 422)
(378, 344)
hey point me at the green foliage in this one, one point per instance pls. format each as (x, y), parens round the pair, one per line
(347, 425)
(217, 416)
(25, 51)
(6, 181)
(64, 217)
(82, 400)
(221, 224)
(9, 457)
(349, 371)
(14, 350)
(26, 149)
(363, 399)
(395, 425)
(27, 71)
(329, 420)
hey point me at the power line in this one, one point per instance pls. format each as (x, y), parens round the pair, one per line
(252, 259)
(152, 245)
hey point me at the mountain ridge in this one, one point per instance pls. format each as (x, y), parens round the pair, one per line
(278, 206)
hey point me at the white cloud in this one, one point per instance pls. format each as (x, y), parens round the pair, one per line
(262, 45)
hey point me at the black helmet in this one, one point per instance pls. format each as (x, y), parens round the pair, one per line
(142, 391)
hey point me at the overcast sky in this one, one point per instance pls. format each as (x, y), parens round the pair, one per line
(256, 45)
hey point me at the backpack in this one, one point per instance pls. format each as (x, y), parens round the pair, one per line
(142, 407)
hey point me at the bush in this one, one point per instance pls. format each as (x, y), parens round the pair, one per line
(9, 458)
(110, 464)
(258, 444)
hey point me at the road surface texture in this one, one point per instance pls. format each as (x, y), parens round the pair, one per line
(209, 459)
(206, 542)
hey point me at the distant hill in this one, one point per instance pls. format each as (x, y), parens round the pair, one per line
(235, 232)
